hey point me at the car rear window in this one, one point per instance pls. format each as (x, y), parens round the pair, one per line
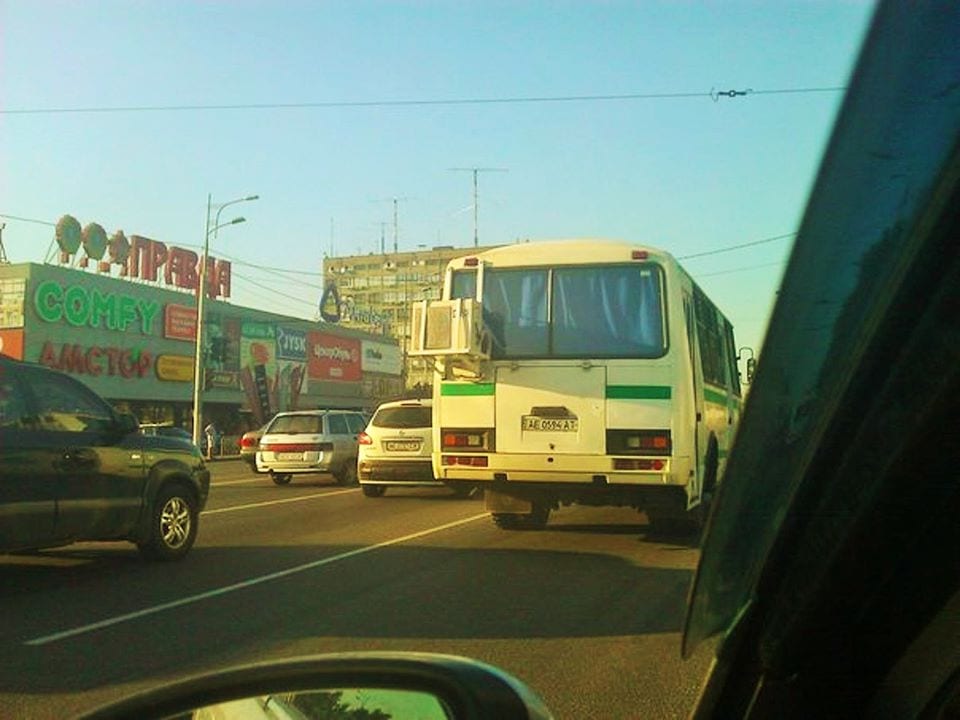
(292, 424)
(403, 417)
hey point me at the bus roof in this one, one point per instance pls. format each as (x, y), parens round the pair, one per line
(574, 251)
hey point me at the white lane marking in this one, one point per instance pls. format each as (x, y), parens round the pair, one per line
(116, 620)
(265, 503)
(237, 482)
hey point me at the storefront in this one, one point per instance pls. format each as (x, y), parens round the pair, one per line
(133, 342)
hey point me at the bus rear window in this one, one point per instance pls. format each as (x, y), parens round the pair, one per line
(606, 311)
(613, 311)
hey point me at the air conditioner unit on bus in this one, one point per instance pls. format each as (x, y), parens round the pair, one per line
(445, 328)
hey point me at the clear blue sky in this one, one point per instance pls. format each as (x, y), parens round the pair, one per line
(685, 174)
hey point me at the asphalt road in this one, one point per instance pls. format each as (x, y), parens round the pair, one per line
(588, 611)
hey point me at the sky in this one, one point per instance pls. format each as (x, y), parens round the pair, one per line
(675, 166)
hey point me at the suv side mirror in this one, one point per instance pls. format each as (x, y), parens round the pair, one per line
(127, 423)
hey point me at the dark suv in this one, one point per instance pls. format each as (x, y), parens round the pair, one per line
(73, 469)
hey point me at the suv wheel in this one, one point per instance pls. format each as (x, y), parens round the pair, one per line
(173, 524)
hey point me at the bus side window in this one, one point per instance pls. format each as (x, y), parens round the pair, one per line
(711, 341)
(731, 354)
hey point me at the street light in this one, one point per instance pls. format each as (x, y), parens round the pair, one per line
(201, 302)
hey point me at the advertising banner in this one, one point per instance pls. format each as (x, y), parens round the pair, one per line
(11, 343)
(291, 344)
(380, 358)
(332, 357)
(174, 368)
(179, 322)
(272, 369)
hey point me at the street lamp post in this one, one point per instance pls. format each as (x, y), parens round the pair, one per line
(201, 303)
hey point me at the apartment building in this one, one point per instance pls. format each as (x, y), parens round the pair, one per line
(376, 291)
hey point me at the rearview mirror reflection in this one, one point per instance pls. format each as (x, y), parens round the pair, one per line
(329, 704)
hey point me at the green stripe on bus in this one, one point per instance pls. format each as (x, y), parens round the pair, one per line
(638, 392)
(715, 397)
(466, 389)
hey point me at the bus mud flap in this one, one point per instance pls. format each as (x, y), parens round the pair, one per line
(497, 502)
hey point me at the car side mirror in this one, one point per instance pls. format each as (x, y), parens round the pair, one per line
(345, 685)
(127, 423)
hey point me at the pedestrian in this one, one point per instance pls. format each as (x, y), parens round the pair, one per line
(211, 434)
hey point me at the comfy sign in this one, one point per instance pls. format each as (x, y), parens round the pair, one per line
(332, 358)
(93, 308)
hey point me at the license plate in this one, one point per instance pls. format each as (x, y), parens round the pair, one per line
(542, 424)
(401, 445)
(289, 456)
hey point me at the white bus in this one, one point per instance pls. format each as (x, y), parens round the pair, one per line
(581, 371)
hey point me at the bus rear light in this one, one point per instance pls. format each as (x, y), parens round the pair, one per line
(471, 262)
(638, 464)
(639, 442)
(470, 460)
(467, 440)
(639, 255)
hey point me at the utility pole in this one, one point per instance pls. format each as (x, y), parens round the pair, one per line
(476, 200)
(3, 251)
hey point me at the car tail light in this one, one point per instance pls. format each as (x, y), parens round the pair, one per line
(296, 447)
(364, 439)
(247, 442)
(470, 460)
(638, 464)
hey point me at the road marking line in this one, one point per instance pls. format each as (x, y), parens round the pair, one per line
(237, 482)
(265, 503)
(116, 620)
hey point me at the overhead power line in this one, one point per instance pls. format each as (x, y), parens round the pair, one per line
(731, 248)
(712, 94)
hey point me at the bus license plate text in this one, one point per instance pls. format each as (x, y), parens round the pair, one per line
(542, 424)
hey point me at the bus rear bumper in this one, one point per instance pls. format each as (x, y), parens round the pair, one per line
(568, 470)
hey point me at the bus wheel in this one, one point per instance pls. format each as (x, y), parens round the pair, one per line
(536, 519)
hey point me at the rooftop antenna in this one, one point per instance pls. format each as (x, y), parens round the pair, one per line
(476, 206)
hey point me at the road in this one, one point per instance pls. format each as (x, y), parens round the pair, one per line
(588, 611)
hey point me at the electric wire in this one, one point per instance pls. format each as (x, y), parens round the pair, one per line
(429, 102)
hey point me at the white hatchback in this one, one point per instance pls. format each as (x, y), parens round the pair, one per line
(395, 448)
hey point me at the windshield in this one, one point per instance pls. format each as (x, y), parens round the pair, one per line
(214, 214)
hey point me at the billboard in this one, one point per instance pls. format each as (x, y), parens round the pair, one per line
(380, 358)
(332, 357)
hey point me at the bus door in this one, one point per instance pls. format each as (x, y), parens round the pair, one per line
(696, 387)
